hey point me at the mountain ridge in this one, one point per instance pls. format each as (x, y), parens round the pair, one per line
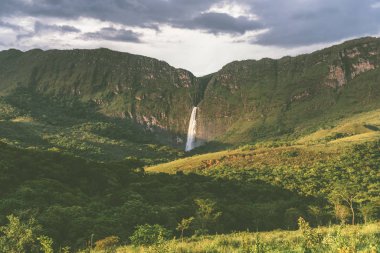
(346, 43)
(244, 101)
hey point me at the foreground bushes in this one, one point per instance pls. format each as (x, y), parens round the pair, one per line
(149, 235)
(20, 237)
(25, 236)
(341, 239)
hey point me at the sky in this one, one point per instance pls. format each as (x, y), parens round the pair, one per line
(197, 35)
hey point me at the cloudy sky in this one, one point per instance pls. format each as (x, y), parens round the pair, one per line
(198, 35)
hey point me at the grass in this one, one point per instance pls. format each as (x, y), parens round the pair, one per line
(342, 239)
(356, 128)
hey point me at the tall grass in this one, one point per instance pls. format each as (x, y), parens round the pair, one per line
(340, 239)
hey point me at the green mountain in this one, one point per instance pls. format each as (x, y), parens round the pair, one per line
(119, 85)
(251, 100)
(244, 102)
(93, 103)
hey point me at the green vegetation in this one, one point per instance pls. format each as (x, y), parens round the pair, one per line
(70, 126)
(89, 159)
(244, 102)
(73, 198)
(250, 101)
(154, 238)
(149, 235)
(76, 201)
(365, 238)
(18, 236)
(117, 85)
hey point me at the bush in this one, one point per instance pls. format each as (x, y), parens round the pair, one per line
(46, 244)
(17, 236)
(311, 239)
(109, 243)
(149, 235)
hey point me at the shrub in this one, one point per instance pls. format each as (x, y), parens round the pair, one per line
(108, 244)
(206, 215)
(149, 235)
(311, 239)
(17, 236)
(46, 244)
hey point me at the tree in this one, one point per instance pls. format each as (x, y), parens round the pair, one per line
(341, 212)
(206, 215)
(149, 235)
(184, 225)
(370, 202)
(348, 194)
(18, 237)
(316, 212)
(46, 243)
(291, 217)
(368, 210)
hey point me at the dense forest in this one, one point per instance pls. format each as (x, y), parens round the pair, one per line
(74, 199)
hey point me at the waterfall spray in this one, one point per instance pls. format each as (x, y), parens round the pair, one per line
(191, 132)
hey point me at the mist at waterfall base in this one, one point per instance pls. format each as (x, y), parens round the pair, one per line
(191, 132)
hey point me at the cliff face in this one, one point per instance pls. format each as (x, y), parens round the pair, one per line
(150, 92)
(248, 100)
(242, 102)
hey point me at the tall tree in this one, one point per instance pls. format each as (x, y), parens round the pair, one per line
(347, 194)
(184, 225)
(206, 215)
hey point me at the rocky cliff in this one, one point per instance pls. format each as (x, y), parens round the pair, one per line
(243, 102)
(150, 92)
(248, 100)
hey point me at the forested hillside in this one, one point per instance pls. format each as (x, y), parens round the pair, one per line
(73, 198)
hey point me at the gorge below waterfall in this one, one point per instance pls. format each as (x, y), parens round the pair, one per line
(191, 132)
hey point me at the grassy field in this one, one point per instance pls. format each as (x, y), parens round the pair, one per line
(343, 239)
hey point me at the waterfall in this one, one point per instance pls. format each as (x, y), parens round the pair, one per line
(191, 132)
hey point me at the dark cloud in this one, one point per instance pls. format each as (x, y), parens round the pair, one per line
(40, 28)
(290, 23)
(110, 33)
(141, 13)
(9, 25)
(129, 12)
(222, 23)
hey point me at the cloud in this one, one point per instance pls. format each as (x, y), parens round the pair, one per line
(296, 23)
(142, 13)
(289, 23)
(9, 26)
(217, 23)
(110, 33)
(40, 28)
